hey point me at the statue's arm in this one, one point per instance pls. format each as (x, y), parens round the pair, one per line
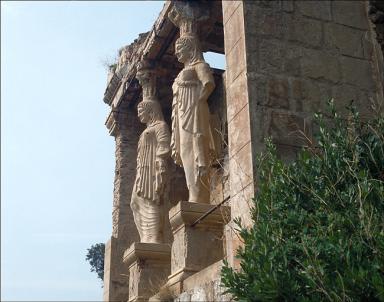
(162, 151)
(204, 73)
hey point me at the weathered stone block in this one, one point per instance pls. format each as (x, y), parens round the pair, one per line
(265, 21)
(241, 169)
(309, 96)
(351, 13)
(278, 93)
(241, 204)
(317, 64)
(233, 29)
(285, 128)
(195, 246)
(149, 267)
(271, 56)
(239, 131)
(346, 40)
(228, 8)
(287, 6)
(318, 9)
(357, 72)
(307, 31)
(237, 96)
(292, 60)
(343, 95)
(236, 61)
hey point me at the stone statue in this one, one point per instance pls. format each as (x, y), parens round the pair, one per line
(192, 142)
(153, 150)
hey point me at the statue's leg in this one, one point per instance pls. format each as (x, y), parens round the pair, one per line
(152, 226)
(198, 187)
(135, 206)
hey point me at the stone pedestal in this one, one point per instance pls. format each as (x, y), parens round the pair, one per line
(149, 266)
(195, 245)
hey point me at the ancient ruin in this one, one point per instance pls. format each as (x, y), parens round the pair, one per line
(187, 134)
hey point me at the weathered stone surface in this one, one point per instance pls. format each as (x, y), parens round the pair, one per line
(348, 41)
(317, 64)
(149, 266)
(229, 7)
(271, 55)
(319, 10)
(292, 60)
(351, 13)
(278, 96)
(233, 29)
(239, 131)
(237, 96)
(269, 22)
(240, 165)
(307, 31)
(236, 59)
(309, 95)
(195, 246)
(357, 72)
(288, 6)
(285, 128)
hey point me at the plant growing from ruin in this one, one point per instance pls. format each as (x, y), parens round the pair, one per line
(95, 257)
(318, 232)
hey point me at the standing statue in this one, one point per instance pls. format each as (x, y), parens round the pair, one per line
(192, 142)
(153, 150)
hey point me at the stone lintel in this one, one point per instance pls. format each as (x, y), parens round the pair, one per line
(186, 213)
(147, 251)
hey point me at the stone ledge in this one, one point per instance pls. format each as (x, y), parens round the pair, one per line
(141, 251)
(186, 213)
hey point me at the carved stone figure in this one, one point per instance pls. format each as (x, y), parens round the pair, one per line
(147, 200)
(192, 141)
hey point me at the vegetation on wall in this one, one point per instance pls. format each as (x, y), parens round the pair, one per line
(95, 257)
(318, 232)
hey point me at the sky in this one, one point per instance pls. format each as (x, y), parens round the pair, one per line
(57, 159)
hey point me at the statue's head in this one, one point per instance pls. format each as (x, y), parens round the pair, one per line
(149, 111)
(188, 50)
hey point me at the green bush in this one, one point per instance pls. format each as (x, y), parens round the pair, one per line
(318, 222)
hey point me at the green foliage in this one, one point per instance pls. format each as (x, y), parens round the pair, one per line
(95, 256)
(318, 232)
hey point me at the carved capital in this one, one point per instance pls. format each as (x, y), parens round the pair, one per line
(146, 76)
(187, 15)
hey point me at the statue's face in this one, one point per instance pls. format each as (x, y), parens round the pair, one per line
(182, 52)
(143, 114)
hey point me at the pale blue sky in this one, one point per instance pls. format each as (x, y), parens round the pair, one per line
(57, 159)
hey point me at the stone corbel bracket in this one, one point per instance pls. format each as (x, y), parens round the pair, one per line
(190, 17)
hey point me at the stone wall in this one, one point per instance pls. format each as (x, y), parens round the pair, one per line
(299, 55)
(285, 60)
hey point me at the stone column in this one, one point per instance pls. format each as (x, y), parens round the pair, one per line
(125, 127)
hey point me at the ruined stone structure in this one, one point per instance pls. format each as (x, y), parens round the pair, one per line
(284, 60)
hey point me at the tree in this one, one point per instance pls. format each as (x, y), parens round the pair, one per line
(318, 222)
(95, 256)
